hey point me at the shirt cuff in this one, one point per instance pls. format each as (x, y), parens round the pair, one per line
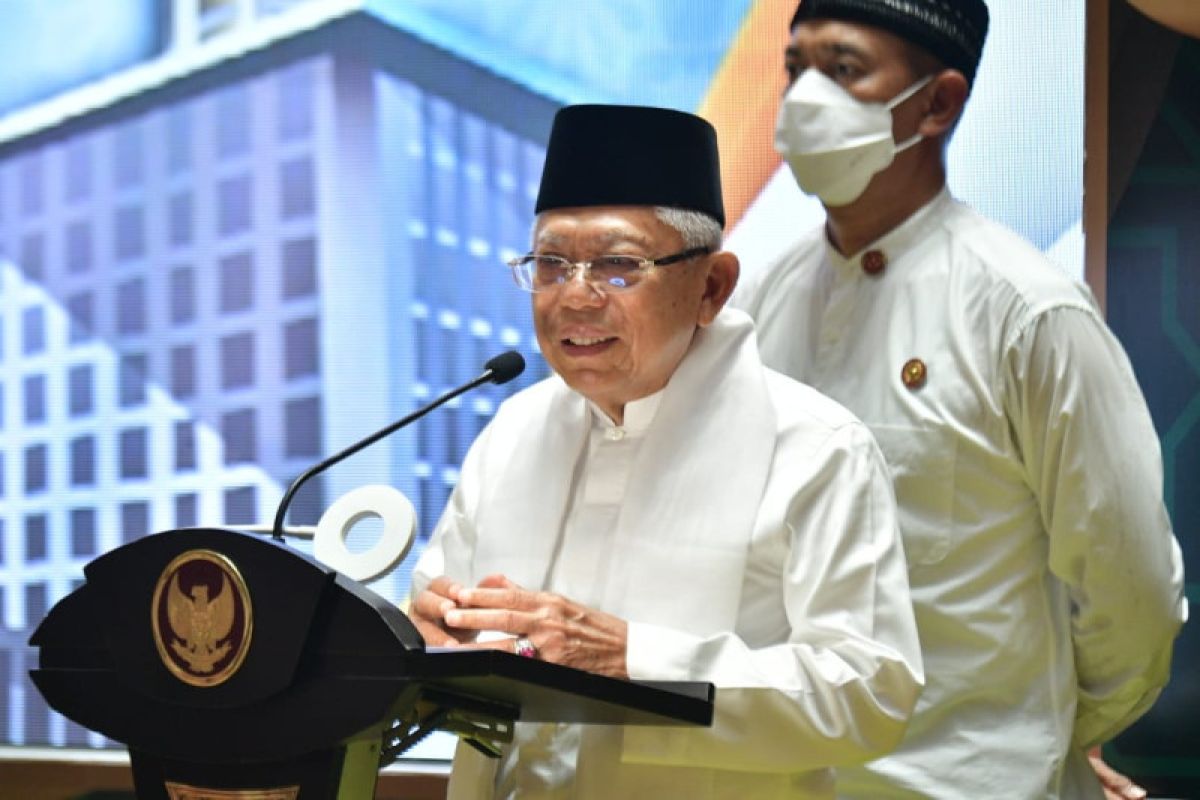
(655, 653)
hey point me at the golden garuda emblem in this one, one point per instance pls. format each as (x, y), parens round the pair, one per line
(201, 618)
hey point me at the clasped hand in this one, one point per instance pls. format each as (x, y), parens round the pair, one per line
(448, 614)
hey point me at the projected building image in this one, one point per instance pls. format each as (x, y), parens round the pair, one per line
(211, 284)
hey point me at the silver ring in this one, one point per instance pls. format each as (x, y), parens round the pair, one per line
(525, 648)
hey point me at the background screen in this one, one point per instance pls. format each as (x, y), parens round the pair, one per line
(237, 236)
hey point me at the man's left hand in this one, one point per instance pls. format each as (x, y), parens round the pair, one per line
(561, 630)
(1116, 786)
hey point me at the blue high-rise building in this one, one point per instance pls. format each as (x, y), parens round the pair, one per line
(224, 262)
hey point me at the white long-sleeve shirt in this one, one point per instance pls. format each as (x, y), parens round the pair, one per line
(744, 526)
(1045, 576)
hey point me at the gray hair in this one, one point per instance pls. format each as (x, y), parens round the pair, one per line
(697, 228)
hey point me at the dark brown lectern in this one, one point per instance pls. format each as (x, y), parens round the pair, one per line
(234, 667)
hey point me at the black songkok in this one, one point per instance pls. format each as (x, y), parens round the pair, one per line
(601, 155)
(952, 30)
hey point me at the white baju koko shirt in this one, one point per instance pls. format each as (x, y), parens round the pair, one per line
(1046, 580)
(744, 526)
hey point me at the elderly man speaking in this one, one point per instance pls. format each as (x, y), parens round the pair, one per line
(665, 507)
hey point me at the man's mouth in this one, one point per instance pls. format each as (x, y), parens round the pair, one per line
(585, 341)
(585, 346)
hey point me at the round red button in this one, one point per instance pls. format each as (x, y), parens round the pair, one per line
(874, 262)
(914, 373)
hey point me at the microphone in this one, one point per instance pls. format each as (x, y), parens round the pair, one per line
(500, 369)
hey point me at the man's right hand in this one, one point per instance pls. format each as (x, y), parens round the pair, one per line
(428, 614)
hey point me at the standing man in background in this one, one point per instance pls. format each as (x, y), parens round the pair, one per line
(1045, 577)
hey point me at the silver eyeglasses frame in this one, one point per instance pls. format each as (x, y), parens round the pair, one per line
(524, 269)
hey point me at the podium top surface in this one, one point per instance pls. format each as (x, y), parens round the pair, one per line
(545, 692)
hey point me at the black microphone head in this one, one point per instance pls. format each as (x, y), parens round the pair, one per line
(505, 367)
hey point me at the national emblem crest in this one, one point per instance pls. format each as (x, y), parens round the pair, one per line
(201, 617)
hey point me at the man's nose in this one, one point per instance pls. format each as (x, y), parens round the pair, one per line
(579, 292)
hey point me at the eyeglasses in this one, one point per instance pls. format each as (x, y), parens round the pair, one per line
(539, 273)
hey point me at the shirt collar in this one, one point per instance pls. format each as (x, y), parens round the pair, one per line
(896, 242)
(638, 414)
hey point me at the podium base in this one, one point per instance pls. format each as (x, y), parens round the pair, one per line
(344, 773)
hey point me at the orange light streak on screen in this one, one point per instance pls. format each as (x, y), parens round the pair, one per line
(742, 103)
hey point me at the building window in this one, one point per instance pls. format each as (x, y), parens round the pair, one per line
(300, 348)
(183, 295)
(302, 427)
(37, 603)
(135, 520)
(237, 360)
(131, 307)
(179, 214)
(35, 537)
(241, 506)
(185, 445)
(33, 330)
(297, 197)
(183, 371)
(36, 468)
(238, 433)
(83, 532)
(134, 447)
(33, 256)
(179, 138)
(83, 461)
(77, 172)
(309, 502)
(32, 189)
(35, 398)
(299, 266)
(237, 283)
(131, 380)
(295, 96)
(80, 397)
(187, 508)
(82, 318)
(129, 233)
(233, 121)
(434, 494)
(234, 213)
(79, 247)
(128, 155)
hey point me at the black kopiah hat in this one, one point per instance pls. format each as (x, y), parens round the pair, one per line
(602, 155)
(952, 30)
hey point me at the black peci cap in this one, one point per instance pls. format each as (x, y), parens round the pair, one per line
(608, 155)
(952, 30)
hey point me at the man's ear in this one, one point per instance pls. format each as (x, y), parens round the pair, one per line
(946, 100)
(719, 283)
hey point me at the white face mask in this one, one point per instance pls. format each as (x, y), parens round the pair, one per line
(834, 142)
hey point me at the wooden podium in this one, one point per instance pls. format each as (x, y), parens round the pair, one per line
(232, 666)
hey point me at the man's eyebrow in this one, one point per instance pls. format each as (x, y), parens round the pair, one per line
(599, 241)
(827, 49)
(845, 49)
(549, 239)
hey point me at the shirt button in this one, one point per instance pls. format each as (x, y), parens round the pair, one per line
(614, 434)
(873, 262)
(913, 373)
